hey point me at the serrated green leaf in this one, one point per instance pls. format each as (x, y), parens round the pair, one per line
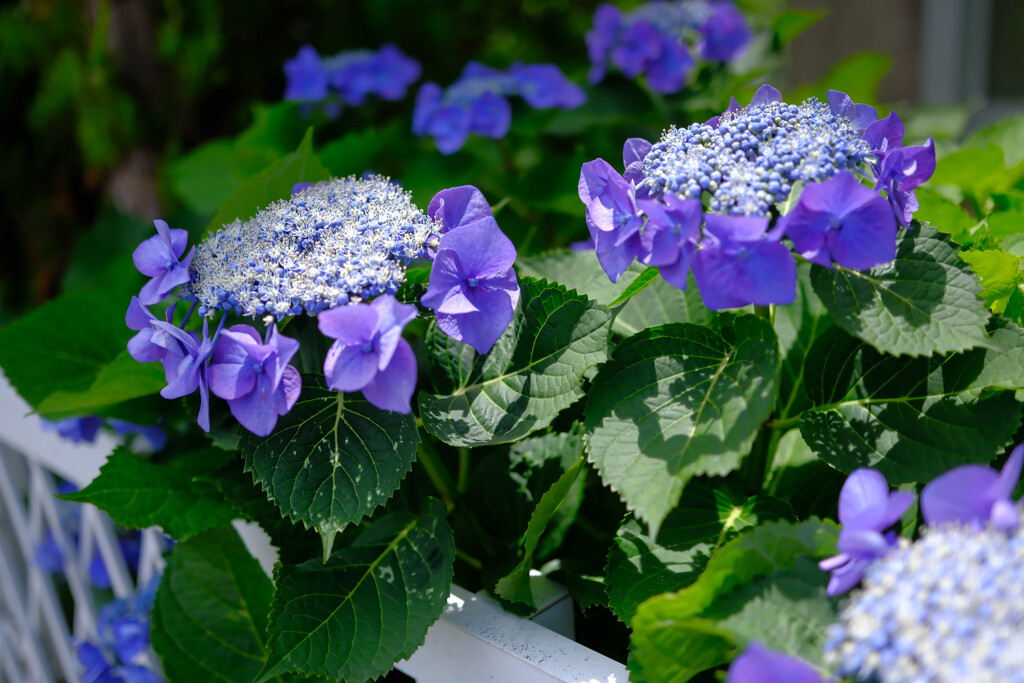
(911, 419)
(123, 379)
(1000, 274)
(978, 171)
(662, 303)
(797, 326)
(923, 302)
(138, 493)
(639, 284)
(578, 270)
(210, 615)
(39, 356)
(368, 606)
(515, 586)
(1004, 363)
(272, 183)
(333, 459)
(534, 370)
(677, 401)
(639, 568)
(677, 635)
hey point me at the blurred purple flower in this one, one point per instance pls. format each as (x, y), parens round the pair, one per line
(601, 38)
(866, 510)
(670, 70)
(975, 495)
(901, 172)
(98, 669)
(758, 664)
(670, 236)
(154, 434)
(75, 429)
(306, 77)
(351, 75)
(613, 217)
(544, 86)
(841, 220)
(473, 288)
(369, 354)
(740, 264)
(725, 35)
(637, 48)
(254, 376)
(158, 258)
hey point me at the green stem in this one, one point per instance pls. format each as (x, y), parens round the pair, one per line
(783, 425)
(463, 479)
(469, 559)
(437, 473)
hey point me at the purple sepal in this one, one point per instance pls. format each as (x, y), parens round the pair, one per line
(612, 216)
(884, 136)
(131, 637)
(306, 78)
(841, 220)
(638, 46)
(669, 72)
(758, 664)
(158, 258)
(185, 366)
(633, 154)
(299, 187)
(607, 24)
(544, 86)
(901, 172)
(369, 353)
(75, 429)
(670, 236)
(150, 344)
(98, 668)
(473, 288)
(766, 94)
(866, 510)
(860, 116)
(458, 206)
(740, 264)
(725, 35)
(490, 116)
(975, 495)
(715, 120)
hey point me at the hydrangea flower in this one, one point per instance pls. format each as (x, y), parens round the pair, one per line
(670, 237)
(159, 258)
(75, 429)
(473, 288)
(758, 664)
(844, 221)
(947, 607)
(654, 40)
(866, 511)
(123, 628)
(369, 354)
(336, 242)
(975, 495)
(349, 76)
(458, 206)
(613, 216)
(477, 102)
(150, 344)
(154, 434)
(254, 376)
(902, 171)
(741, 263)
(185, 366)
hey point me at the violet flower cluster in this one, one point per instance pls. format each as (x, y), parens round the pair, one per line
(328, 250)
(706, 198)
(477, 102)
(946, 607)
(662, 41)
(348, 78)
(120, 654)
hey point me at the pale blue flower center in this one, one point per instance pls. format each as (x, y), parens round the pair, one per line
(473, 282)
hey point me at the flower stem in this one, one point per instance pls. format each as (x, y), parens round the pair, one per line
(438, 475)
(463, 479)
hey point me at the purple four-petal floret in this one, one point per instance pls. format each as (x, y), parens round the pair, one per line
(866, 511)
(185, 365)
(369, 354)
(670, 236)
(159, 257)
(975, 495)
(613, 216)
(254, 376)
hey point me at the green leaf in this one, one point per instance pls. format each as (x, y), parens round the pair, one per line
(676, 401)
(797, 326)
(859, 76)
(333, 459)
(65, 344)
(911, 419)
(210, 616)
(272, 183)
(923, 302)
(944, 215)
(534, 370)
(368, 606)
(639, 284)
(793, 22)
(978, 171)
(662, 303)
(1006, 133)
(1004, 363)
(515, 586)
(578, 270)
(355, 152)
(678, 635)
(1001, 276)
(123, 379)
(639, 568)
(138, 493)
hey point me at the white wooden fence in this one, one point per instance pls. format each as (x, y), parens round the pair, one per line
(475, 639)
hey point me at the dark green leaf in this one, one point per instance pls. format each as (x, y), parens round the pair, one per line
(639, 568)
(534, 370)
(797, 326)
(923, 302)
(123, 379)
(515, 587)
(210, 616)
(354, 153)
(332, 459)
(368, 606)
(138, 493)
(662, 303)
(578, 270)
(911, 419)
(272, 183)
(676, 401)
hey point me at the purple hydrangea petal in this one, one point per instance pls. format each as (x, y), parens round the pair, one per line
(863, 500)
(351, 325)
(760, 665)
(396, 72)
(859, 543)
(960, 495)
(306, 77)
(633, 153)
(884, 135)
(131, 637)
(392, 316)
(615, 251)
(490, 116)
(847, 576)
(607, 24)
(349, 368)
(393, 387)
(725, 35)
(860, 115)
(257, 409)
(447, 284)
(285, 349)
(1004, 516)
(766, 94)
(480, 330)
(1009, 475)
(483, 249)
(450, 128)
(899, 503)
(428, 103)
(544, 86)
(736, 268)
(231, 372)
(669, 72)
(459, 206)
(47, 554)
(638, 46)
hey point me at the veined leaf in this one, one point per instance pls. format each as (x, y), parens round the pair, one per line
(123, 379)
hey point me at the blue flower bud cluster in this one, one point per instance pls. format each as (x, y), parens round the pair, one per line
(754, 156)
(335, 242)
(349, 77)
(948, 607)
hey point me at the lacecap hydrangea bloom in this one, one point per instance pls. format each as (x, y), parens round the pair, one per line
(477, 102)
(338, 249)
(662, 41)
(348, 78)
(855, 180)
